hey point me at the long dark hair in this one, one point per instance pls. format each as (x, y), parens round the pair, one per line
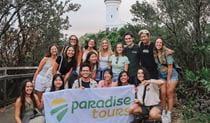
(87, 42)
(48, 53)
(23, 97)
(146, 74)
(53, 81)
(163, 42)
(88, 57)
(76, 47)
(73, 58)
(65, 52)
(120, 75)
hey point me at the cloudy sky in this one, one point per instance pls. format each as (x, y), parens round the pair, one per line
(90, 18)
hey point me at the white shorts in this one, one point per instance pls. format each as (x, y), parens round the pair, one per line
(42, 83)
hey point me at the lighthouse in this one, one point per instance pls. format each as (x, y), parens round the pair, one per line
(112, 14)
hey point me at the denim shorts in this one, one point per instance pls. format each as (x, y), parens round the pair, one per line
(163, 75)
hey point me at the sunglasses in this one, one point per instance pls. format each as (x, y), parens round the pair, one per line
(117, 60)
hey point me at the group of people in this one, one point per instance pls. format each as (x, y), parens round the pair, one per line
(146, 65)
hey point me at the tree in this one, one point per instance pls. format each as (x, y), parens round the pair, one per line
(114, 36)
(28, 26)
(182, 23)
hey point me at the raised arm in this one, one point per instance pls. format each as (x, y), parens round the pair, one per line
(39, 103)
(79, 58)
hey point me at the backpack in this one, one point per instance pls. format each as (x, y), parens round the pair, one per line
(176, 67)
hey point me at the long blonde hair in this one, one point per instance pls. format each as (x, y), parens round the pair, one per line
(109, 46)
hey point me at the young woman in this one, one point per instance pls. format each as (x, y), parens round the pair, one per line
(118, 62)
(90, 46)
(165, 62)
(107, 82)
(148, 101)
(85, 81)
(40, 79)
(57, 83)
(65, 63)
(26, 104)
(123, 78)
(105, 52)
(92, 60)
(74, 41)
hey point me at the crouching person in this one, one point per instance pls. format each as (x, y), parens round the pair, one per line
(147, 103)
(27, 105)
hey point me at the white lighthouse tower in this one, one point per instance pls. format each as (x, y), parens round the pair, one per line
(112, 14)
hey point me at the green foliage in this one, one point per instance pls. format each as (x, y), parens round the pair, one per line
(183, 25)
(28, 26)
(142, 13)
(200, 76)
(196, 87)
(114, 37)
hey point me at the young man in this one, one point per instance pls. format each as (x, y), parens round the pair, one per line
(85, 81)
(146, 53)
(132, 52)
(147, 61)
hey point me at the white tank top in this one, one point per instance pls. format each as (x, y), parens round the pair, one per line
(45, 68)
(103, 62)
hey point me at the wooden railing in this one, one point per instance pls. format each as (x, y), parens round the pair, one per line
(11, 79)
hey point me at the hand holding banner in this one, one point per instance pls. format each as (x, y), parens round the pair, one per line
(100, 105)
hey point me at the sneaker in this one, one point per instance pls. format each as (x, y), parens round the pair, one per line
(164, 112)
(168, 114)
(164, 118)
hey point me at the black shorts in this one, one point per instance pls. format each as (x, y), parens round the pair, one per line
(146, 109)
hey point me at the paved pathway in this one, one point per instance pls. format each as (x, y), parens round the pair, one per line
(7, 114)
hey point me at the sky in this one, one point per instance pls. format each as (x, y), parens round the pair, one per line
(90, 18)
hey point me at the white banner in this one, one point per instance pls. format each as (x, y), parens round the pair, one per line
(100, 105)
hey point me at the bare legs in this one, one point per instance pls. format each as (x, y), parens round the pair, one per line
(167, 94)
(154, 113)
(171, 87)
(163, 95)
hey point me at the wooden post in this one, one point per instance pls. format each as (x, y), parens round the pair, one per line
(4, 90)
(5, 78)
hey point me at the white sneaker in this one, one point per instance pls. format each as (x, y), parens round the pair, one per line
(164, 118)
(168, 115)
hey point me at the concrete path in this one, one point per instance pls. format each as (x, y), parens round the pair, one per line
(7, 114)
